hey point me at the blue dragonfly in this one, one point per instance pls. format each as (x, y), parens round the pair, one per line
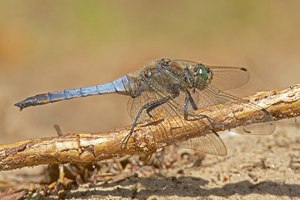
(172, 87)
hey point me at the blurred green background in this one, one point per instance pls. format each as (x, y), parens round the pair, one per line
(53, 45)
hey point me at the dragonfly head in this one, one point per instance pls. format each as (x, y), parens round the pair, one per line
(202, 76)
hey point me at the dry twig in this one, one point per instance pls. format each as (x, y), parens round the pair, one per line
(90, 148)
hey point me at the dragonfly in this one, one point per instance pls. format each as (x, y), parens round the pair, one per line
(172, 87)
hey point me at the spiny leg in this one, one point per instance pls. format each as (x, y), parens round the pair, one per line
(148, 107)
(189, 100)
(160, 102)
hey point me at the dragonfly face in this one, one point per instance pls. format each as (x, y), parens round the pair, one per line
(202, 76)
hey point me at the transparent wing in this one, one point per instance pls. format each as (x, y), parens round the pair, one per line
(135, 104)
(214, 98)
(209, 143)
(226, 78)
(160, 112)
(153, 93)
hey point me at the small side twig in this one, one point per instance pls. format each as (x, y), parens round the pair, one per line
(89, 148)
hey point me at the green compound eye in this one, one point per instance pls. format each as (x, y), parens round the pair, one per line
(203, 72)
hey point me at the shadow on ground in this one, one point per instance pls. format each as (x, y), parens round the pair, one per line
(186, 187)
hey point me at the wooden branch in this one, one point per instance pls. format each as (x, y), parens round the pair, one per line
(147, 138)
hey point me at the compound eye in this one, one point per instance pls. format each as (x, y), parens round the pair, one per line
(200, 66)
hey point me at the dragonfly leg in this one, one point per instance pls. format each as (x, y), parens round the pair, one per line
(148, 107)
(189, 100)
(160, 102)
(137, 92)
